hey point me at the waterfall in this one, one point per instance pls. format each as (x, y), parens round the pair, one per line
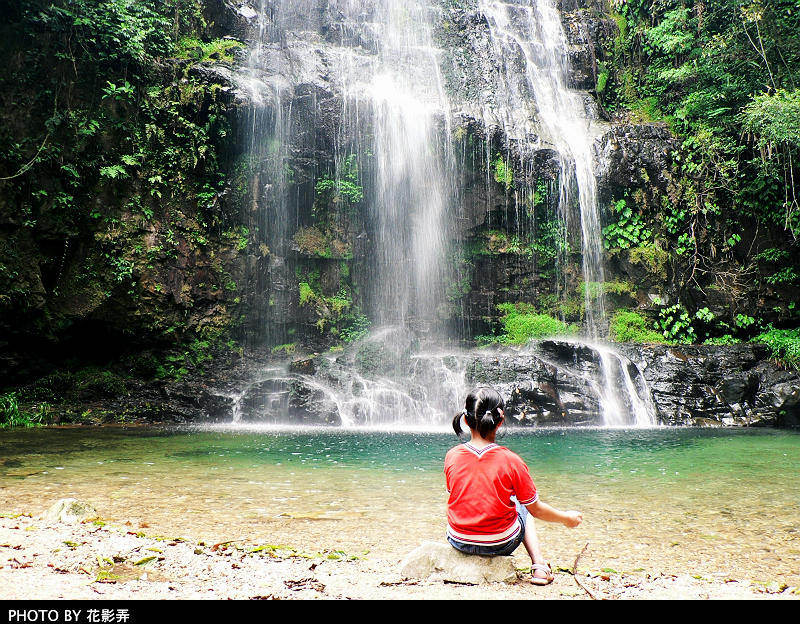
(531, 46)
(398, 90)
(615, 403)
(393, 135)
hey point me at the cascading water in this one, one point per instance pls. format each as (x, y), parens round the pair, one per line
(530, 43)
(394, 134)
(398, 90)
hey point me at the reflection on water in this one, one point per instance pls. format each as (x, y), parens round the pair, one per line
(673, 500)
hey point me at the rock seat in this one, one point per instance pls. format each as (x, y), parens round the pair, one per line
(439, 561)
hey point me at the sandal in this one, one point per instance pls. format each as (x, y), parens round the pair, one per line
(541, 567)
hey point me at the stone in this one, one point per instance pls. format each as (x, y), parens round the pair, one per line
(306, 366)
(69, 511)
(438, 561)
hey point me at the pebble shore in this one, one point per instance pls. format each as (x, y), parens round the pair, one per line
(98, 560)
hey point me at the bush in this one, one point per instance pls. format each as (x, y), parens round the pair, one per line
(521, 324)
(628, 326)
(784, 345)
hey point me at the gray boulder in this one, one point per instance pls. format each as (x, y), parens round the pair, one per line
(438, 561)
(69, 511)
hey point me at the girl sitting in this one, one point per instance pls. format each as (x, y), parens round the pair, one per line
(491, 490)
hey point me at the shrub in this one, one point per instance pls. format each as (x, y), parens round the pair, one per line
(784, 345)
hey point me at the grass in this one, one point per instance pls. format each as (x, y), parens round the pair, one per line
(12, 416)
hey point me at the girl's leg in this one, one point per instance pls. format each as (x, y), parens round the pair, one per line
(531, 542)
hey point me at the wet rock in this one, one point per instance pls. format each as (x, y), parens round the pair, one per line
(704, 385)
(784, 395)
(69, 511)
(288, 400)
(307, 366)
(634, 156)
(438, 561)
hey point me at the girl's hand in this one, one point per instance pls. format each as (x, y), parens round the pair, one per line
(573, 519)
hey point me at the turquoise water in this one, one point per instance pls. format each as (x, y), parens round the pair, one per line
(709, 501)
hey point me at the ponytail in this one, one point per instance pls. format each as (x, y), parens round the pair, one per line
(457, 422)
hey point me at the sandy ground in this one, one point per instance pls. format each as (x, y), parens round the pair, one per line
(97, 560)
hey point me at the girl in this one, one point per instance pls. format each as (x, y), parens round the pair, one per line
(491, 490)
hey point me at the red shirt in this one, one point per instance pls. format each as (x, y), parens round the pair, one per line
(481, 483)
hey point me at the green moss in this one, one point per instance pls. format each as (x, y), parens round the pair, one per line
(286, 349)
(594, 289)
(651, 256)
(521, 323)
(307, 293)
(493, 242)
(503, 173)
(218, 50)
(629, 326)
(328, 244)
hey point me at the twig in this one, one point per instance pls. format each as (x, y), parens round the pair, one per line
(575, 573)
(30, 163)
(215, 547)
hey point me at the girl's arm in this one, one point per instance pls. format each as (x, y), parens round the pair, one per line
(545, 512)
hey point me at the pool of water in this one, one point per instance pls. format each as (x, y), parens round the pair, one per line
(704, 501)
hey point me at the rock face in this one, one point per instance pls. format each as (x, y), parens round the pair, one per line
(70, 511)
(546, 383)
(634, 156)
(437, 561)
(718, 385)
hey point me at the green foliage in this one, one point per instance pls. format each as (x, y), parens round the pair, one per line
(676, 324)
(786, 275)
(218, 50)
(673, 35)
(602, 79)
(357, 327)
(285, 349)
(179, 362)
(521, 323)
(742, 321)
(12, 416)
(726, 339)
(724, 76)
(628, 231)
(327, 244)
(772, 255)
(342, 190)
(306, 293)
(115, 110)
(654, 258)
(774, 118)
(335, 314)
(784, 345)
(492, 242)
